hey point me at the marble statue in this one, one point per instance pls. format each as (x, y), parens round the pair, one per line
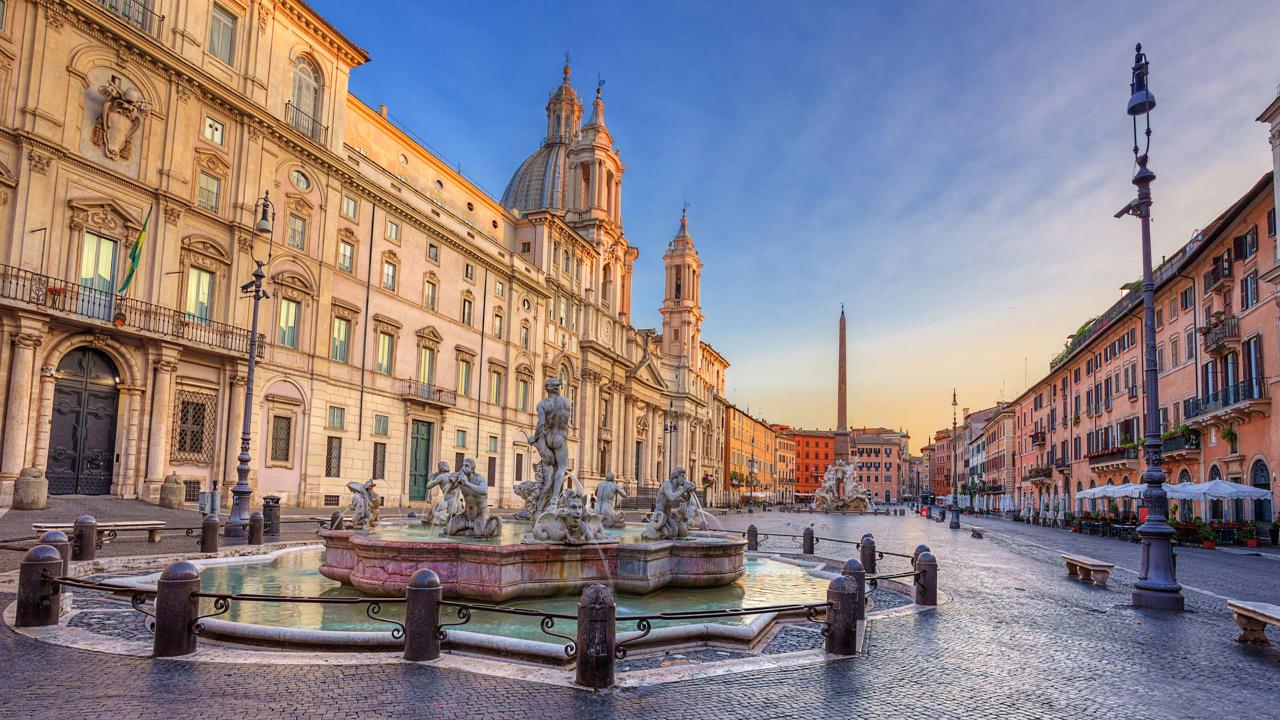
(448, 505)
(674, 509)
(364, 504)
(571, 522)
(606, 498)
(535, 493)
(841, 491)
(551, 440)
(473, 519)
(123, 110)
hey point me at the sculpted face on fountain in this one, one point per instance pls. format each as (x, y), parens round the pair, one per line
(571, 522)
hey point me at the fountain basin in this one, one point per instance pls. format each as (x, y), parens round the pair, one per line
(382, 567)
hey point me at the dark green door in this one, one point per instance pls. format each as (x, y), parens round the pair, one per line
(419, 459)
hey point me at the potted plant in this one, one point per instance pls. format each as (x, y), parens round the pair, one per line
(1250, 534)
(1229, 434)
(1207, 539)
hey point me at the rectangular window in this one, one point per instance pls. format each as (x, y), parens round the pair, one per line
(522, 395)
(493, 443)
(379, 461)
(346, 256)
(433, 252)
(381, 425)
(1271, 222)
(222, 34)
(281, 438)
(341, 339)
(393, 231)
(386, 353)
(1248, 243)
(389, 271)
(495, 387)
(466, 311)
(350, 207)
(193, 431)
(524, 337)
(464, 377)
(337, 419)
(199, 294)
(333, 457)
(288, 331)
(214, 130)
(426, 365)
(297, 237)
(208, 192)
(469, 271)
(1249, 290)
(499, 288)
(432, 291)
(1190, 345)
(1174, 355)
(492, 479)
(497, 325)
(460, 439)
(1188, 298)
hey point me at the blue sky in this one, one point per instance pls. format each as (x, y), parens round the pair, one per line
(947, 170)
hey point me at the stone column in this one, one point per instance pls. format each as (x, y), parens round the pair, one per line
(17, 431)
(161, 417)
(128, 485)
(45, 411)
(628, 466)
(235, 423)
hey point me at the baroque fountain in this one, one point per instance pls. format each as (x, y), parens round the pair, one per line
(564, 541)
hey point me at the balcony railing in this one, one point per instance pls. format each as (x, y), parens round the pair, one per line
(106, 308)
(1241, 392)
(1039, 437)
(414, 390)
(1220, 271)
(1181, 443)
(137, 13)
(1040, 472)
(1112, 455)
(1220, 332)
(305, 124)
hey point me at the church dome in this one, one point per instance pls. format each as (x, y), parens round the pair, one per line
(539, 182)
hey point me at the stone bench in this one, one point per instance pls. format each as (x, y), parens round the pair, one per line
(1253, 618)
(1088, 569)
(975, 531)
(153, 528)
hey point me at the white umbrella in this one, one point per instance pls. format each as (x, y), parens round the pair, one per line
(1218, 490)
(1127, 490)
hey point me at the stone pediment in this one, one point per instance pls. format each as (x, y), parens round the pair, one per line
(105, 215)
(430, 335)
(206, 248)
(294, 279)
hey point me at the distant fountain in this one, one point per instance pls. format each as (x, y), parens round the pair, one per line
(841, 491)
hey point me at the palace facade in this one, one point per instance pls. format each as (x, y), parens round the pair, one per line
(411, 318)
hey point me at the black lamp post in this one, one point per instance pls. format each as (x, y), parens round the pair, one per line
(751, 478)
(241, 493)
(1157, 586)
(955, 476)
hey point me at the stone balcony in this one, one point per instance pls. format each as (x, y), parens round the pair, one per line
(1039, 437)
(1114, 459)
(1222, 334)
(1232, 405)
(419, 392)
(1182, 447)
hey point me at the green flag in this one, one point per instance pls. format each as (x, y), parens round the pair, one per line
(135, 253)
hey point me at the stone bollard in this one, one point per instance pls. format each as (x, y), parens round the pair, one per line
(854, 569)
(926, 579)
(209, 534)
(597, 637)
(753, 538)
(867, 553)
(57, 540)
(335, 520)
(422, 616)
(39, 598)
(84, 534)
(920, 549)
(177, 608)
(845, 593)
(31, 490)
(271, 515)
(807, 547)
(256, 525)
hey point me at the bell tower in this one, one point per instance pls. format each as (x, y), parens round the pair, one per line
(682, 300)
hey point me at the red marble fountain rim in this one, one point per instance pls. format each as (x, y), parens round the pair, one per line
(357, 538)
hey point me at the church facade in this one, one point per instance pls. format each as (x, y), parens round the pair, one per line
(412, 319)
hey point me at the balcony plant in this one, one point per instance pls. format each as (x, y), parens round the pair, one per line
(1229, 434)
(1250, 534)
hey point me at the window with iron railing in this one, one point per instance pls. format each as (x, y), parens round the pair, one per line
(135, 12)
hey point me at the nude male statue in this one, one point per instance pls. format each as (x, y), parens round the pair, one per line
(608, 492)
(450, 504)
(551, 437)
(474, 520)
(673, 509)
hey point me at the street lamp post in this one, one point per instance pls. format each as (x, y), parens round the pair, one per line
(751, 477)
(1157, 586)
(241, 493)
(955, 479)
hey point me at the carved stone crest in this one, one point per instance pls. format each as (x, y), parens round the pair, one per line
(121, 117)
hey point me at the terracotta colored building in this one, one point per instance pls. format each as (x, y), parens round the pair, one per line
(749, 441)
(815, 450)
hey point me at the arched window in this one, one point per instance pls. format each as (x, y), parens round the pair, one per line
(1184, 508)
(305, 100)
(607, 284)
(1215, 506)
(1260, 477)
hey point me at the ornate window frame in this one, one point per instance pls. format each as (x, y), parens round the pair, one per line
(347, 235)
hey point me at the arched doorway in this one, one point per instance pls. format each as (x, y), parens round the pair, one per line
(82, 438)
(1184, 507)
(1260, 477)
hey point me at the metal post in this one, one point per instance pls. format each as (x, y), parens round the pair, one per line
(255, 528)
(753, 538)
(177, 608)
(597, 637)
(955, 479)
(85, 535)
(1157, 586)
(422, 616)
(867, 552)
(39, 598)
(241, 492)
(808, 541)
(57, 540)
(845, 593)
(209, 534)
(926, 579)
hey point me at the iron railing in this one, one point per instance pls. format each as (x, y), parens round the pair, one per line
(1039, 437)
(546, 620)
(1241, 392)
(1113, 455)
(428, 393)
(1177, 443)
(1221, 331)
(304, 123)
(1220, 271)
(137, 13)
(107, 308)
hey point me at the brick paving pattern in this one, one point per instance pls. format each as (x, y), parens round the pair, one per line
(1017, 640)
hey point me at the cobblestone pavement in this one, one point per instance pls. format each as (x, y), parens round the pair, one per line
(1018, 640)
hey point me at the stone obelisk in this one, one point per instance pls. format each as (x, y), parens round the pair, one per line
(842, 399)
